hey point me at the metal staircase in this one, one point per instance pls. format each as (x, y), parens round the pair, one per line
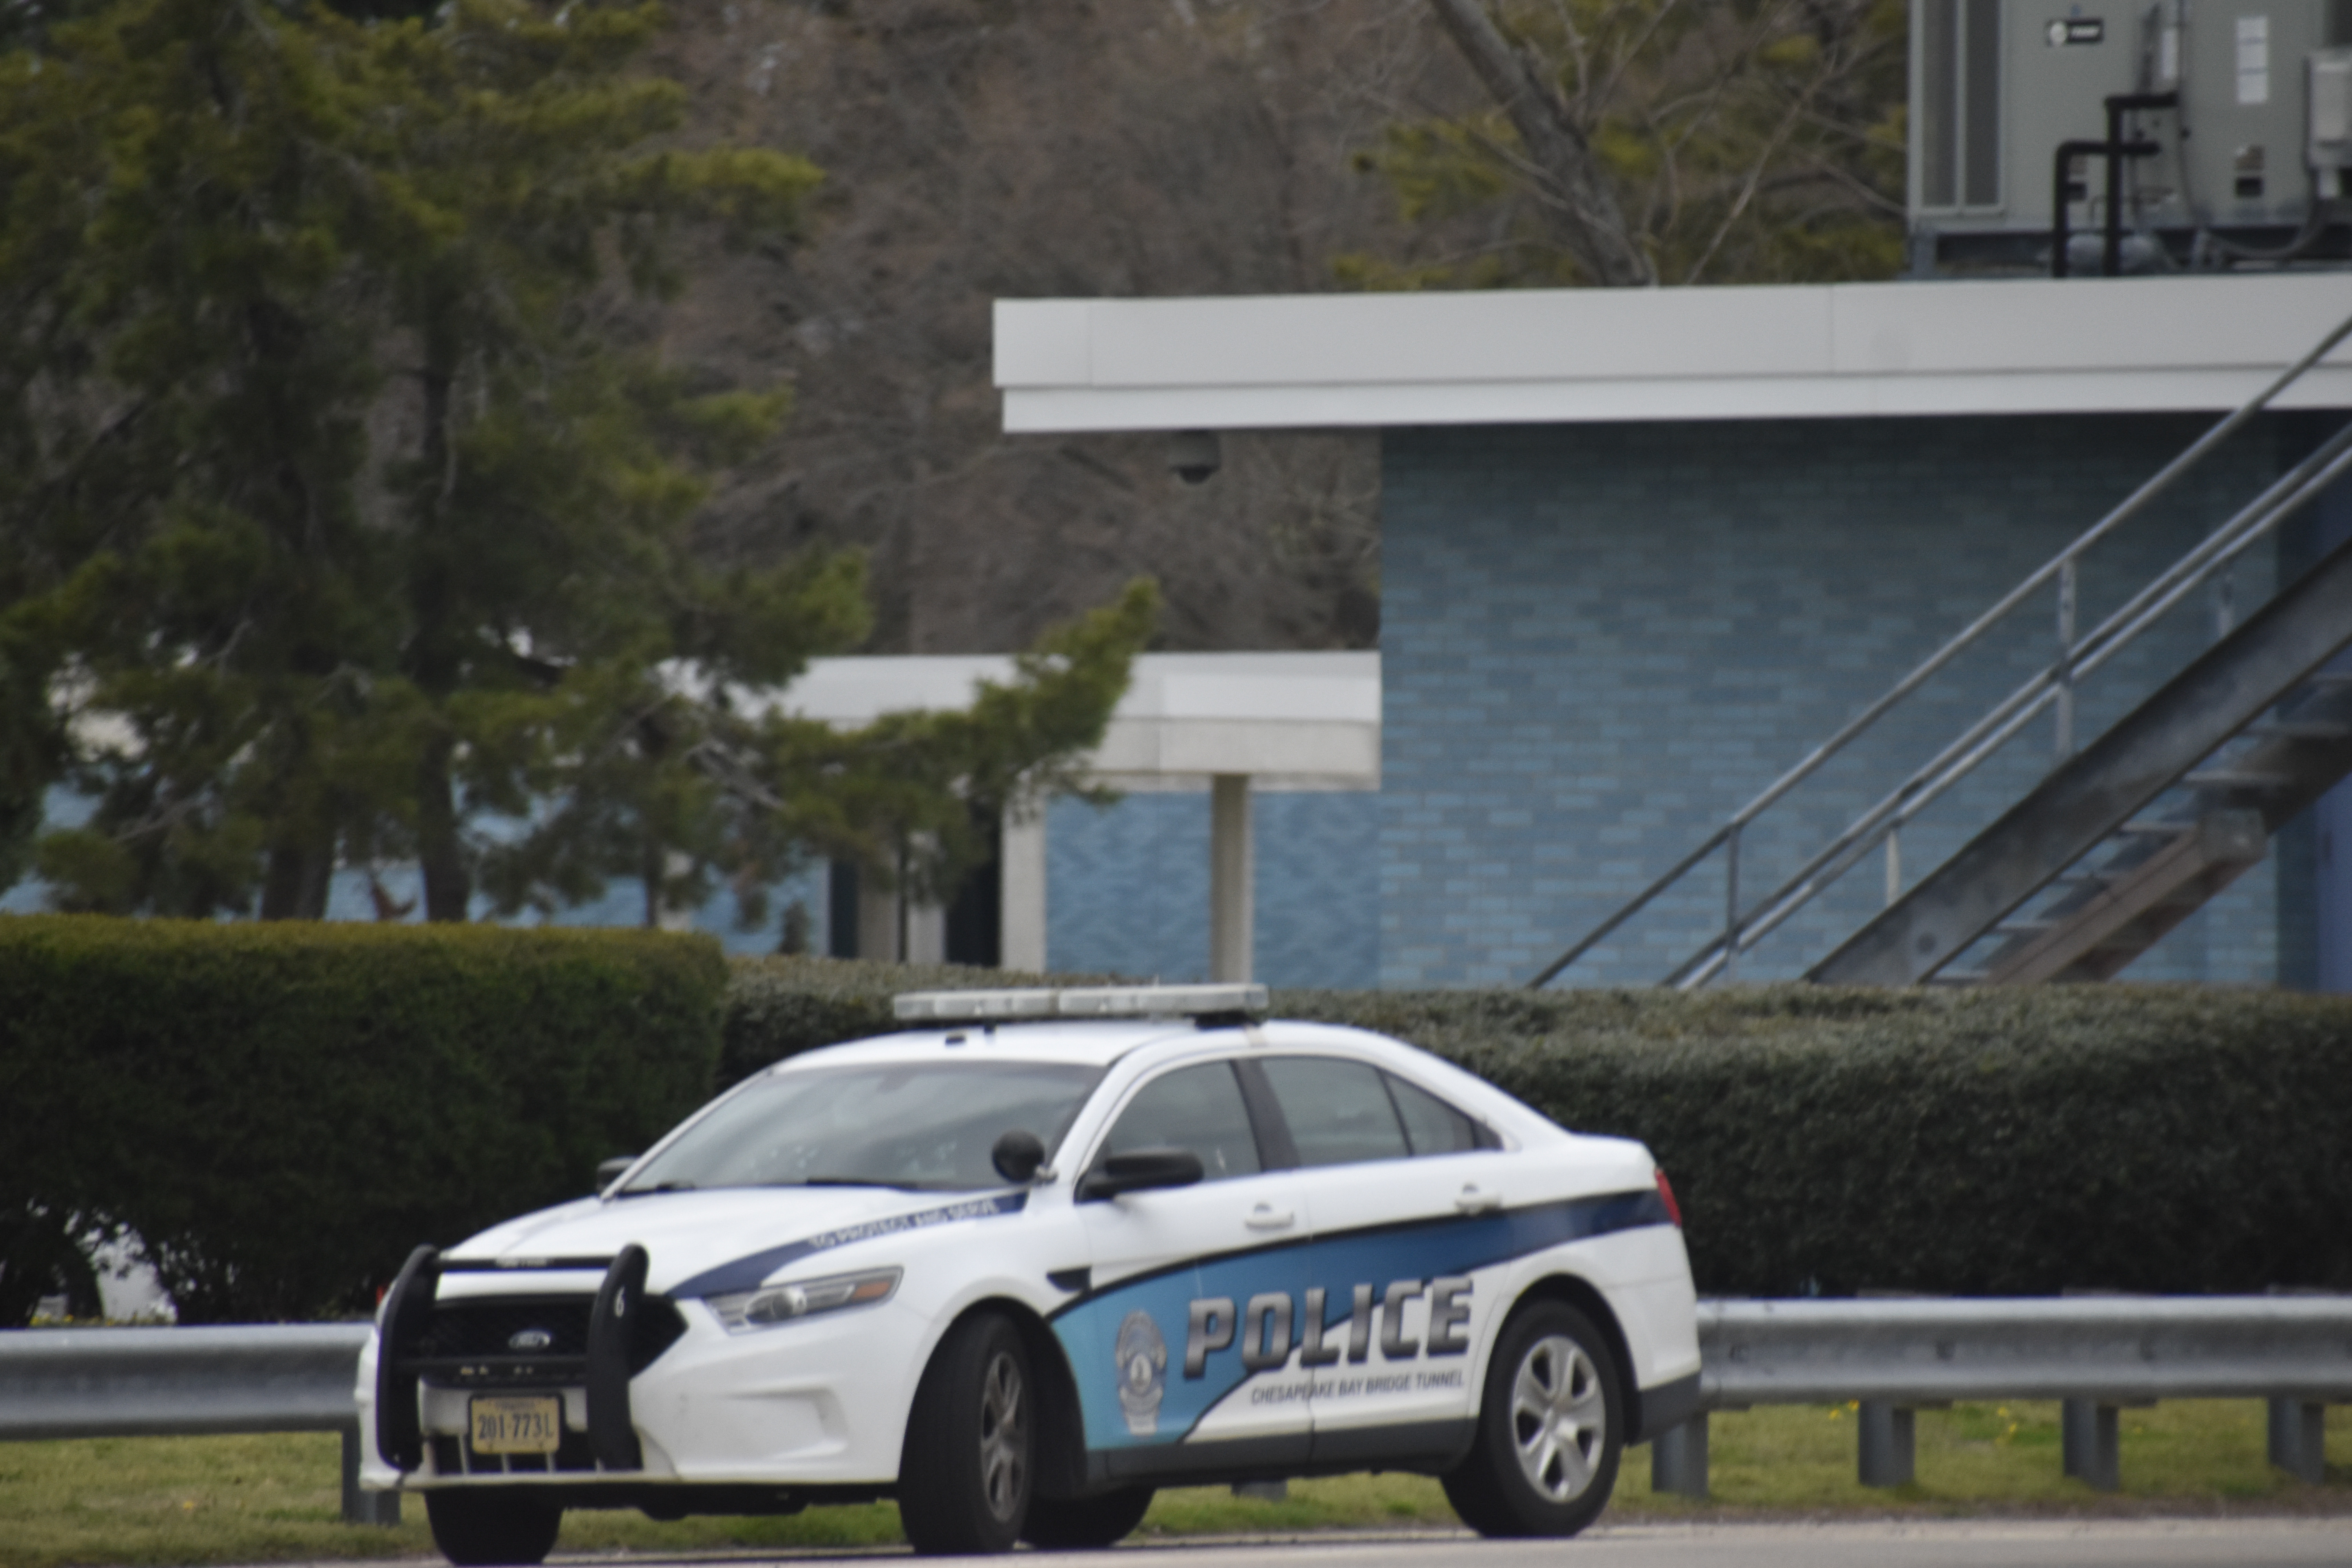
(2122, 840)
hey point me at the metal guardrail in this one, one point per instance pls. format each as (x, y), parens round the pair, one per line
(210, 1381)
(2096, 1353)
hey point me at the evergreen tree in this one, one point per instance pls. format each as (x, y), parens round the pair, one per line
(350, 504)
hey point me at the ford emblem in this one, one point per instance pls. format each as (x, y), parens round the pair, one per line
(530, 1340)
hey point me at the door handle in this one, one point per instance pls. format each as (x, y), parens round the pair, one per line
(1471, 1199)
(1266, 1217)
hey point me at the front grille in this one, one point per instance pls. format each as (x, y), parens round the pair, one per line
(481, 1327)
(478, 1333)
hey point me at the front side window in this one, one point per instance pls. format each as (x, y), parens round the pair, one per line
(1196, 1108)
(1339, 1112)
(932, 1125)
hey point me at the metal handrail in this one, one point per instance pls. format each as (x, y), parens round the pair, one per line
(1988, 734)
(2070, 666)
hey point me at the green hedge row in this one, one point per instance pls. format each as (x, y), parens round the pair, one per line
(778, 1008)
(282, 1111)
(1980, 1143)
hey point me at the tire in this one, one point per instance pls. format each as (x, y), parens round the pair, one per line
(1551, 1429)
(964, 1476)
(1078, 1524)
(492, 1529)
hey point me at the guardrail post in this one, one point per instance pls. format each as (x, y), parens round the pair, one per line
(1678, 1458)
(2299, 1438)
(1888, 1449)
(363, 1506)
(2087, 1438)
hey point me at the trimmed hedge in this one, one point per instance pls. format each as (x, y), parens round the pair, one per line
(283, 1110)
(778, 1008)
(2000, 1142)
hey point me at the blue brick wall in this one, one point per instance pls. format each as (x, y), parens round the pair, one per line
(1127, 889)
(1599, 640)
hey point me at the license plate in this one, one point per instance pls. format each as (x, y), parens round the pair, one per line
(518, 1425)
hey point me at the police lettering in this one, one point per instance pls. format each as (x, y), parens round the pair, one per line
(1264, 1326)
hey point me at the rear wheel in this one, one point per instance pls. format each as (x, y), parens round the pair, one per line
(492, 1529)
(965, 1472)
(1073, 1524)
(1551, 1428)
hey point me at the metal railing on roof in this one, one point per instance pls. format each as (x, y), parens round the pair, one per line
(2053, 687)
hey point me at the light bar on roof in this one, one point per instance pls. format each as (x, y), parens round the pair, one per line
(1080, 1002)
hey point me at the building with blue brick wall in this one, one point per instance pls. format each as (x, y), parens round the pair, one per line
(1600, 640)
(1129, 887)
(1643, 550)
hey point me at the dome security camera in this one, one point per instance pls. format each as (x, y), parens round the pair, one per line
(1194, 456)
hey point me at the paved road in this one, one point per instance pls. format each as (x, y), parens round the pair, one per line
(2102, 1543)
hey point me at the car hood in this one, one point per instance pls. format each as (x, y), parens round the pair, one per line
(702, 1244)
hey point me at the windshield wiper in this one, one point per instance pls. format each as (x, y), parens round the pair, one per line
(855, 1181)
(656, 1188)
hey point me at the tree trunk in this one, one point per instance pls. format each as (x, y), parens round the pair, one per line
(295, 886)
(432, 661)
(1572, 184)
(440, 852)
(651, 868)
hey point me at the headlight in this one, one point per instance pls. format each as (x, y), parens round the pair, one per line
(772, 1304)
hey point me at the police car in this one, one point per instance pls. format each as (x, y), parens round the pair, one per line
(1034, 1255)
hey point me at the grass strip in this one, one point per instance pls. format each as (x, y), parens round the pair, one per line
(131, 1503)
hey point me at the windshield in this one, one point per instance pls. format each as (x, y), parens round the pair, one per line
(928, 1125)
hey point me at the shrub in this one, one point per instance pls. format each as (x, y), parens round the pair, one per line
(778, 1008)
(282, 1111)
(1998, 1141)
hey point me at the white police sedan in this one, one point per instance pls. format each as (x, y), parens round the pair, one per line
(1034, 1257)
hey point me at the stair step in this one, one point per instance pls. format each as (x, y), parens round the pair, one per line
(2157, 829)
(2300, 729)
(2234, 778)
(2024, 927)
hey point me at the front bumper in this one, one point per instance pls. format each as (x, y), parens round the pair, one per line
(809, 1410)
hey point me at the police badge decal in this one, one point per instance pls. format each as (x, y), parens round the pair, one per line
(1142, 1357)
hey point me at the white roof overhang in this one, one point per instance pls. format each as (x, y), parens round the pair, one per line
(1294, 720)
(1538, 356)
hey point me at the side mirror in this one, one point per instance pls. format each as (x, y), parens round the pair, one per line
(1017, 1155)
(1140, 1169)
(609, 1170)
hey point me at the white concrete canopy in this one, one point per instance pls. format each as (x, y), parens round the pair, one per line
(1224, 722)
(1292, 721)
(1527, 356)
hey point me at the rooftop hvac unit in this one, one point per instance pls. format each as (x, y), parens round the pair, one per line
(2126, 137)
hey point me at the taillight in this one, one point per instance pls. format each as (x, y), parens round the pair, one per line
(1667, 1193)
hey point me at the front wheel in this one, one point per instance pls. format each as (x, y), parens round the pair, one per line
(1079, 1524)
(492, 1529)
(964, 1473)
(1552, 1427)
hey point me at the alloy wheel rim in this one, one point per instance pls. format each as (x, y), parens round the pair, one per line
(1559, 1418)
(1003, 1436)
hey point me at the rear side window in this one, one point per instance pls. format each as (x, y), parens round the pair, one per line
(1433, 1126)
(1339, 1112)
(1197, 1107)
